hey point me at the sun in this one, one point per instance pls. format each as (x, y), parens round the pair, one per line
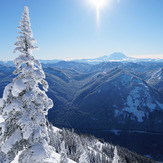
(98, 4)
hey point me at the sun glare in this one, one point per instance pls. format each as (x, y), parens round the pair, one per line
(98, 4)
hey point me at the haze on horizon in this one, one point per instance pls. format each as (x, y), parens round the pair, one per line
(85, 28)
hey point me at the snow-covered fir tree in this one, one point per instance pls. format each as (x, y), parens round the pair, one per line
(25, 104)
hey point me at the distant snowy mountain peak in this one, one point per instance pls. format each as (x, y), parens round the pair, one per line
(115, 57)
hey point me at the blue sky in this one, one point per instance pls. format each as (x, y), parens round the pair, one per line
(66, 29)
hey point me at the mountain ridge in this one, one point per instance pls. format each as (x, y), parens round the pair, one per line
(114, 57)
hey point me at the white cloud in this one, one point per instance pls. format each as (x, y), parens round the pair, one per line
(153, 56)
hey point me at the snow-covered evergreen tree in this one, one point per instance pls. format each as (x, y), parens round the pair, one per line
(116, 158)
(84, 157)
(24, 105)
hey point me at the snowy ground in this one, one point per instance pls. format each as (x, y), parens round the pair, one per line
(1, 119)
(55, 158)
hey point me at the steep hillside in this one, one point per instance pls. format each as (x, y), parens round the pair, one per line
(156, 79)
(88, 149)
(115, 99)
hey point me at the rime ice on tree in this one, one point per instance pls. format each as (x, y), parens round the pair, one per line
(24, 105)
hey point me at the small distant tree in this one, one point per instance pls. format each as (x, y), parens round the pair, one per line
(84, 157)
(24, 105)
(116, 158)
(63, 158)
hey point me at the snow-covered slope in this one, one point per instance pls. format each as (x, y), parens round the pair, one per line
(136, 107)
(1, 119)
(84, 149)
(55, 158)
(158, 74)
(72, 148)
(156, 79)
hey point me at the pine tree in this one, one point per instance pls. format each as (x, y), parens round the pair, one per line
(116, 158)
(84, 157)
(24, 105)
(63, 158)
